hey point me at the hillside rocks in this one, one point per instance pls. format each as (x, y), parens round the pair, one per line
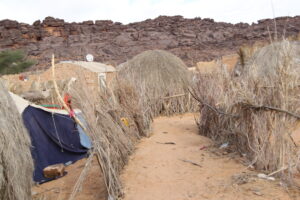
(192, 40)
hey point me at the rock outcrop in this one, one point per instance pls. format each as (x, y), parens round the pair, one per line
(192, 40)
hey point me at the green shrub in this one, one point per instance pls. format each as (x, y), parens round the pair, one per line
(14, 61)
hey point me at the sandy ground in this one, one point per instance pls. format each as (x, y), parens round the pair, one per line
(158, 171)
(93, 187)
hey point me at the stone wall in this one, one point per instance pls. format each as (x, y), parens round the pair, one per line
(193, 40)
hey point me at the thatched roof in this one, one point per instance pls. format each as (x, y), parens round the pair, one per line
(268, 59)
(155, 65)
(16, 165)
(256, 112)
(156, 75)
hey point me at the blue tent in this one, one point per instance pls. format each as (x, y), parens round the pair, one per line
(55, 138)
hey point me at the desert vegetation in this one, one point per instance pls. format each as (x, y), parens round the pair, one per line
(16, 164)
(14, 61)
(151, 84)
(253, 108)
(257, 109)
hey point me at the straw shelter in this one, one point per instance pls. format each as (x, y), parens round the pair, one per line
(256, 112)
(113, 131)
(268, 59)
(161, 81)
(16, 165)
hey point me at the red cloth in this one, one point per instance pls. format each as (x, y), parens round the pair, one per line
(68, 102)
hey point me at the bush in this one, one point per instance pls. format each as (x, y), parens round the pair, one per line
(256, 112)
(13, 62)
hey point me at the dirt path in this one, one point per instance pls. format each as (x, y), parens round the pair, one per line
(157, 171)
(93, 188)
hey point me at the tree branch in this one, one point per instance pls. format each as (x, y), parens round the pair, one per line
(263, 107)
(210, 106)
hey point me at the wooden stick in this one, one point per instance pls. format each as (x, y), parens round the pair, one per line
(209, 106)
(193, 163)
(177, 95)
(263, 107)
(281, 169)
(166, 143)
(60, 97)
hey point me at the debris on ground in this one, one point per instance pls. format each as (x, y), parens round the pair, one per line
(223, 146)
(203, 147)
(264, 176)
(54, 171)
(258, 193)
(243, 178)
(193, 163)
(173, 143)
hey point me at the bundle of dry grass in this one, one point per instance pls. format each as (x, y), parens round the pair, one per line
(127, 98)
(257, 111)
(114, 128)
(16, 165)
(113, 140)
(161, 81)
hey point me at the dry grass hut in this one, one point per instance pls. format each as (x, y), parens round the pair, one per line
(113, 140)
(161, 81)
(16, 165)
(267, 60)
(257, 111)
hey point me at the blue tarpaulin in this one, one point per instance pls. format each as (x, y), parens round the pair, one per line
(84, 138)
(54, 138)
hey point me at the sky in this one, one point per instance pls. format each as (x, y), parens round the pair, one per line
(127, 11)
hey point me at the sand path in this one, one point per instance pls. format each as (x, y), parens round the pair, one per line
(157, 171)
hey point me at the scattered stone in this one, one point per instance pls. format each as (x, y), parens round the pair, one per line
(264, 176)
(54, 171)
(258, 193)
(241, 179)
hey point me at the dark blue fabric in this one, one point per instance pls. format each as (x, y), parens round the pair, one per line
(54, 138)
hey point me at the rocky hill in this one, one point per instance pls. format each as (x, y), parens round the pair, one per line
(192, 40)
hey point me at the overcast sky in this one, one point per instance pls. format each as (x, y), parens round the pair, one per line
(127, 11)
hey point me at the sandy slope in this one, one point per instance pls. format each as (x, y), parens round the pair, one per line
(156, 171)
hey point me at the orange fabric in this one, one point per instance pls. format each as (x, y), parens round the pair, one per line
(68, 101)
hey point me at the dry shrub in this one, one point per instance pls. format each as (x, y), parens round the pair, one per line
(161, 81)
(127, 98)
(113, 141)
(16, 165)
(256, 112)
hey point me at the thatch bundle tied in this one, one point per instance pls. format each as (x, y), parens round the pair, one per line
(16, 165)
